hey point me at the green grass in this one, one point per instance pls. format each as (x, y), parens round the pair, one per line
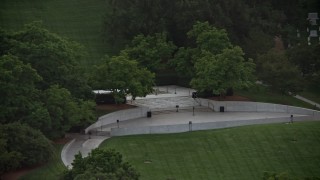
(234, 153)
(313, 95)
(51, 170)
(263, 94)
(78, 20)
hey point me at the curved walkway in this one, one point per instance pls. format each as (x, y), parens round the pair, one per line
(166, 117)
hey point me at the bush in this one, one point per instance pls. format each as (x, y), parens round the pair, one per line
(22, 146)
(101, 164)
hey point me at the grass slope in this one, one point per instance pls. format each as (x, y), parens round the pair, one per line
(313, 95)
(262, 94)
(78, 20)
(235, 153)
(51, 170)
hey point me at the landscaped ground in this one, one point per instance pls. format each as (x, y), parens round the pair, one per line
(313, 95)
(235, 153)
(262, 94)
(109, 108)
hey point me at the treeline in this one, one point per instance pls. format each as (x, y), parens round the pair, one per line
(248, 22)
(43, 94)
(263, 29)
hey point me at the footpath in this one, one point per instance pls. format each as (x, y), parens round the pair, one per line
(165, 98)
(84, 143)
(307, 101)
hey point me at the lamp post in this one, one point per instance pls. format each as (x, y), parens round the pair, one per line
(193, 110)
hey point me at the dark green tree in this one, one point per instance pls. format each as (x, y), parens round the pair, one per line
(101, 164)
(152, 52)
(22, 146)
(307, 59)
(217, 73)
(56, 59)
(204, 37)
(65, 111)
(123, 76)
(275, 69)
(17, 88)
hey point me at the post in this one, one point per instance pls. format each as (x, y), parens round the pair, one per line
(89, 134)
(177, 106)
(175, 90)
(118, 122)
(190, 126)
(193, 110)
(291, 118)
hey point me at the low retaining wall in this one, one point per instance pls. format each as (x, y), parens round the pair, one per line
(164, 129)
(64, 152)
(231, 106)
(242, 106)
(121, 115)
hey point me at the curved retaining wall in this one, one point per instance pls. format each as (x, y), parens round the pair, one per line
(165, 129)
(121, 115)
(234, 106)
(242, 106)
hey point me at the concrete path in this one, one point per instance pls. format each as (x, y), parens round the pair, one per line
(184, 116)
(163, 106)
(80, 143)
(307, 101)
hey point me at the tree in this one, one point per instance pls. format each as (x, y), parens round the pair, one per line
(204, 37)
(22, 146)
(17, 88)
(151, 52)
(275, 70)
(209, 38)
(184, 60)
(307, 59)
(123, 76)
(101, 164)
(65, 111)
(56, 59)
(34, 64)
(219, 72)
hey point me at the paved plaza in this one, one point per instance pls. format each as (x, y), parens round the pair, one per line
(163, 105)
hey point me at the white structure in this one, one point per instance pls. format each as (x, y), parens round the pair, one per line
(313, 26)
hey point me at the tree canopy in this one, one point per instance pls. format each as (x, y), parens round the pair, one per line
(277, 71)
(21, 145)
(213, 64)
(151, 51)
(41, 81)
(123, 76)
(101, 164)
(219, 72)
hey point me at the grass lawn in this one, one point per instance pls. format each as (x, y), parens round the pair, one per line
(78, 20)
(312, 95)
(51, 170)
(262, 94)
(234, 153)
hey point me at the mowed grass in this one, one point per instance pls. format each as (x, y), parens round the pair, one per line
(52, 170)
(235, 153)
(313, 95)
(262, 94)
(78, 20)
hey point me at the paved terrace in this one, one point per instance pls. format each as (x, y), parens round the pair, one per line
(166, 119)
